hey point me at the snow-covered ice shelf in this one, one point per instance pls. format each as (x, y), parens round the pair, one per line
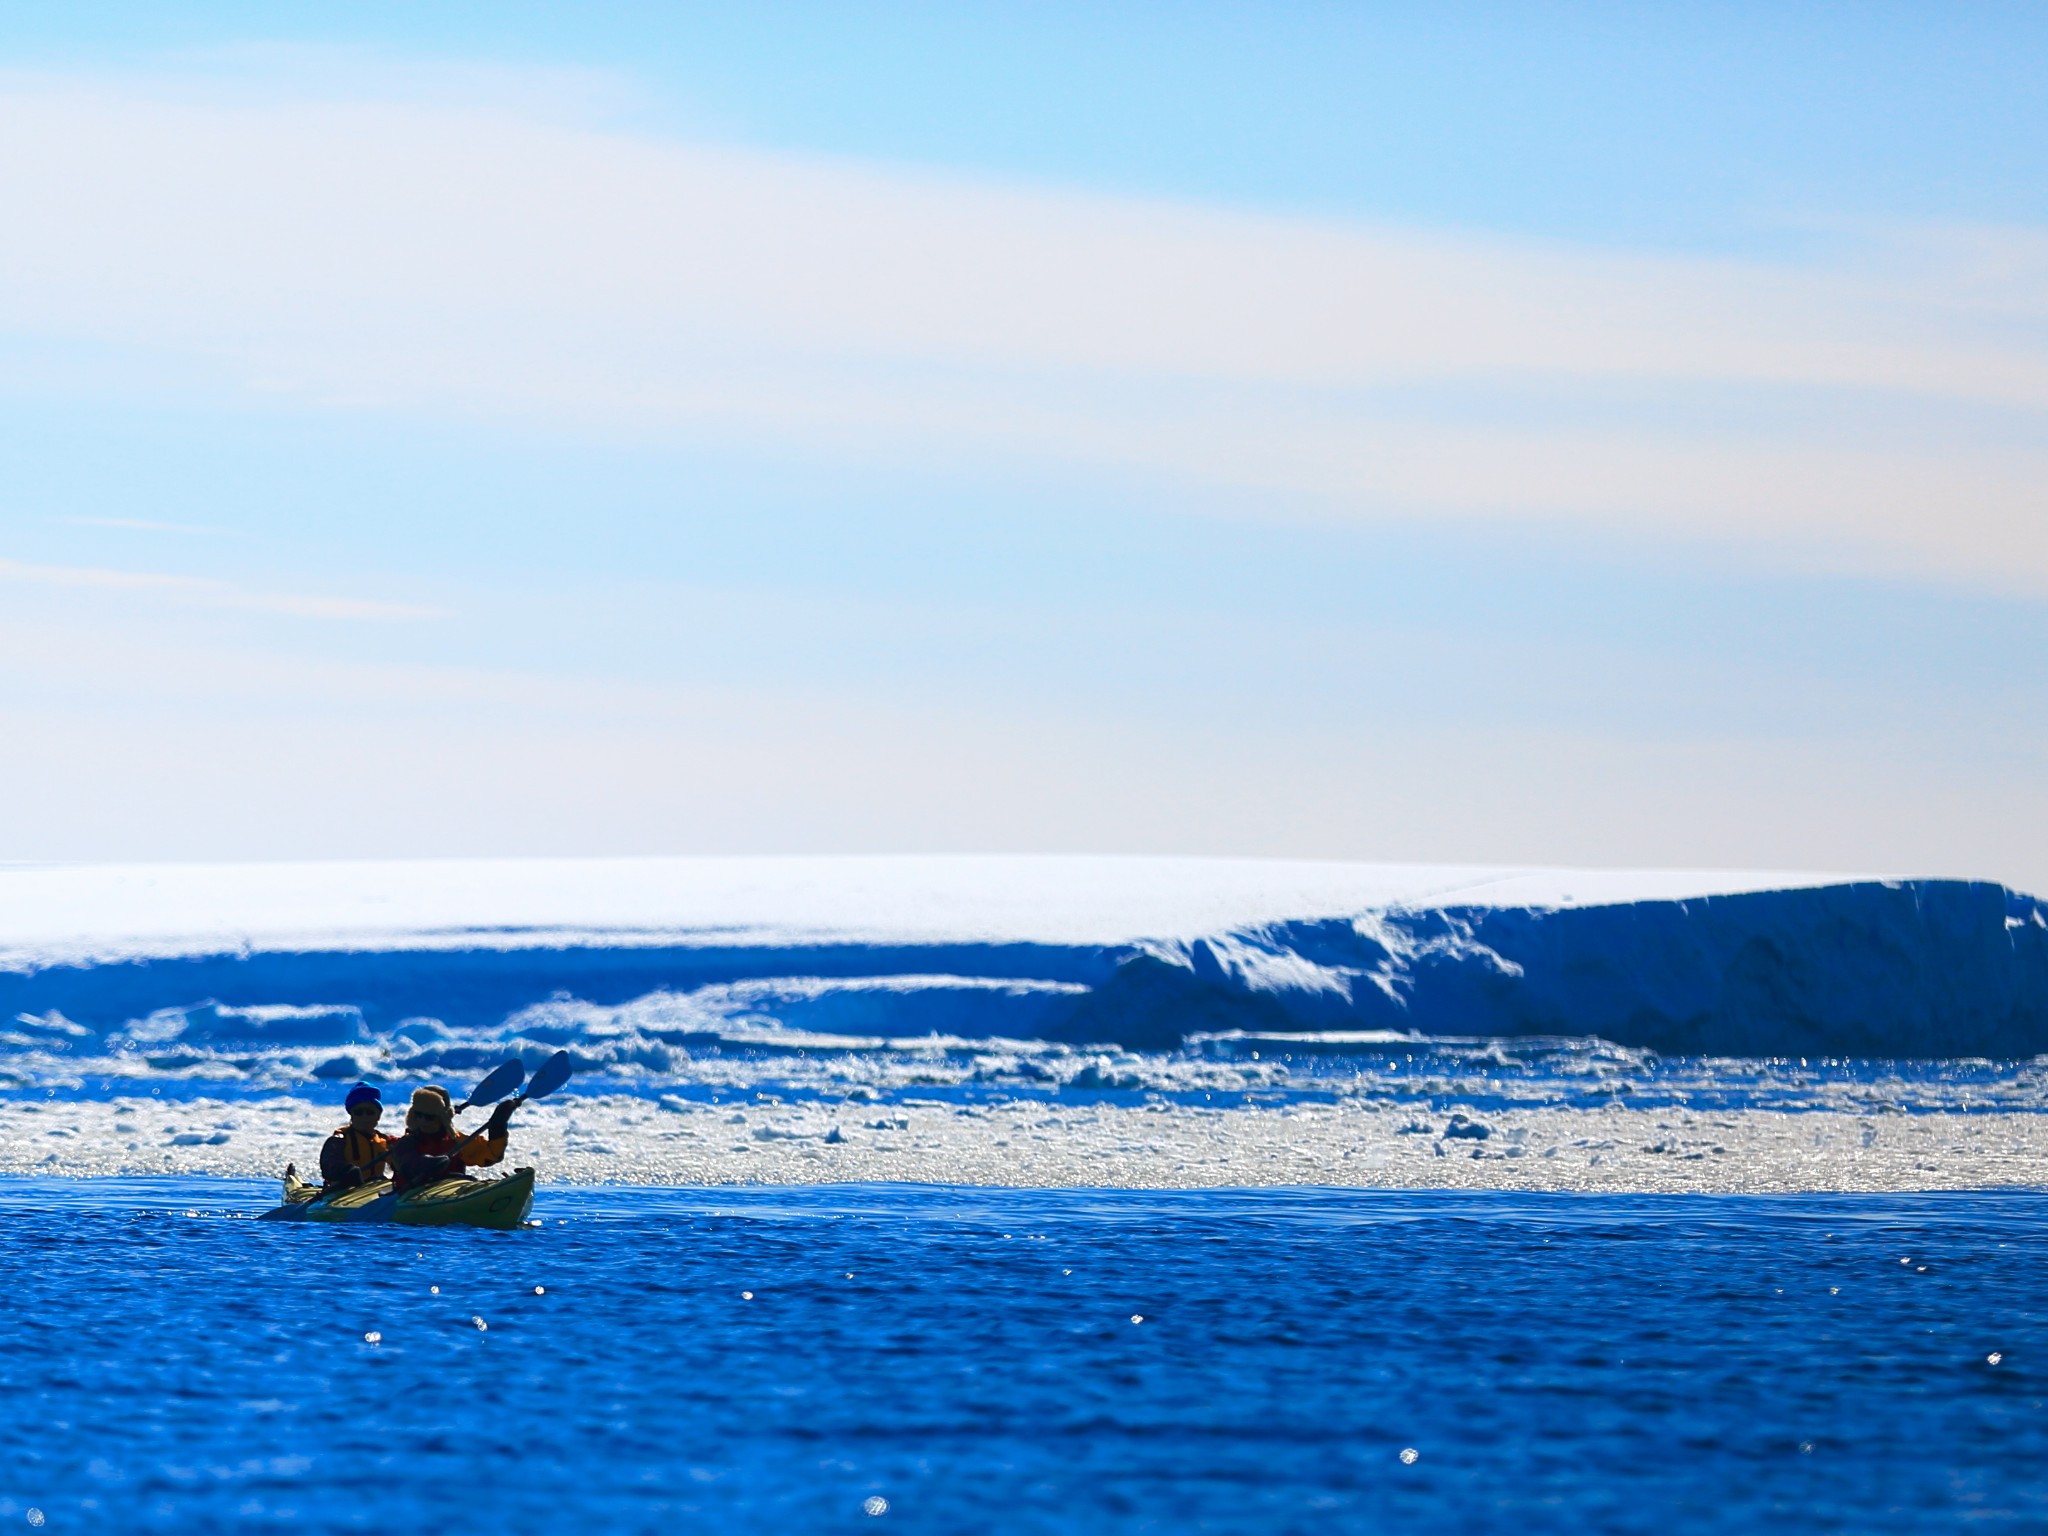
(625, 960)
(1044, 1020)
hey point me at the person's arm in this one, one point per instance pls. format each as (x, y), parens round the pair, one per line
(335, 1171)
(419, 1167)
(488, 1146)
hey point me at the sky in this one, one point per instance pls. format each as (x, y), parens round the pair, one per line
(1562, 434)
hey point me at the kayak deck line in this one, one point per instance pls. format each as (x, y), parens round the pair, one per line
(499, 1204)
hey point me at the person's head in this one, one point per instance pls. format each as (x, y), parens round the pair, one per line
(431, 1113)
(365, 1106)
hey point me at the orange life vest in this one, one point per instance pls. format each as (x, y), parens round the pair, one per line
(349, 1155)
(363, 1149)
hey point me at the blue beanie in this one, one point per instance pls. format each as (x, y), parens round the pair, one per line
(362, 1093)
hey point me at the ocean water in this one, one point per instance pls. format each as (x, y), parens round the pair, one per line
(948, 1359)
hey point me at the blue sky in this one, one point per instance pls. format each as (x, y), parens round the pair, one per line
(1544, 433)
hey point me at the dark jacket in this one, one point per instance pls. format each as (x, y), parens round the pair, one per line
(418, 1160)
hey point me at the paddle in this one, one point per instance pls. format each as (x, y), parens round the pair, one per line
(501, 1081)
(549, 1076)
(553, 1072)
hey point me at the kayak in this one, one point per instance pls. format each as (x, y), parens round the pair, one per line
(500, 1204)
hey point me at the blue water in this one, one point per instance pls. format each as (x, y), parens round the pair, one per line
(971, 1357)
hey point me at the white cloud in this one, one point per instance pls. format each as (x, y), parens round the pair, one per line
(390, 254)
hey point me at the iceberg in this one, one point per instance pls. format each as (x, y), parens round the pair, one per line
(635, 960)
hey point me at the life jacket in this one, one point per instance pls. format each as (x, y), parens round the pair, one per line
(349, 1154)
(363, 1148)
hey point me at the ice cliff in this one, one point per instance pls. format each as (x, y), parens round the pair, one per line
(181, 963)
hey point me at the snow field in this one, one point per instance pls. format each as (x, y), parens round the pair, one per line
(620, 1139)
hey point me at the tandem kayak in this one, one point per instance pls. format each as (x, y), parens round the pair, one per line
(497, 1203)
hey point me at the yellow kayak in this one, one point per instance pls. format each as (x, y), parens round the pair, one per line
(501, 1204)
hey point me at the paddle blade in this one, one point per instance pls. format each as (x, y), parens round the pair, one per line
(501, 1081)
(549, 1076)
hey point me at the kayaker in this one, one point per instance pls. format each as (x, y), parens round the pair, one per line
(432, 1148)
(358, 1152)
